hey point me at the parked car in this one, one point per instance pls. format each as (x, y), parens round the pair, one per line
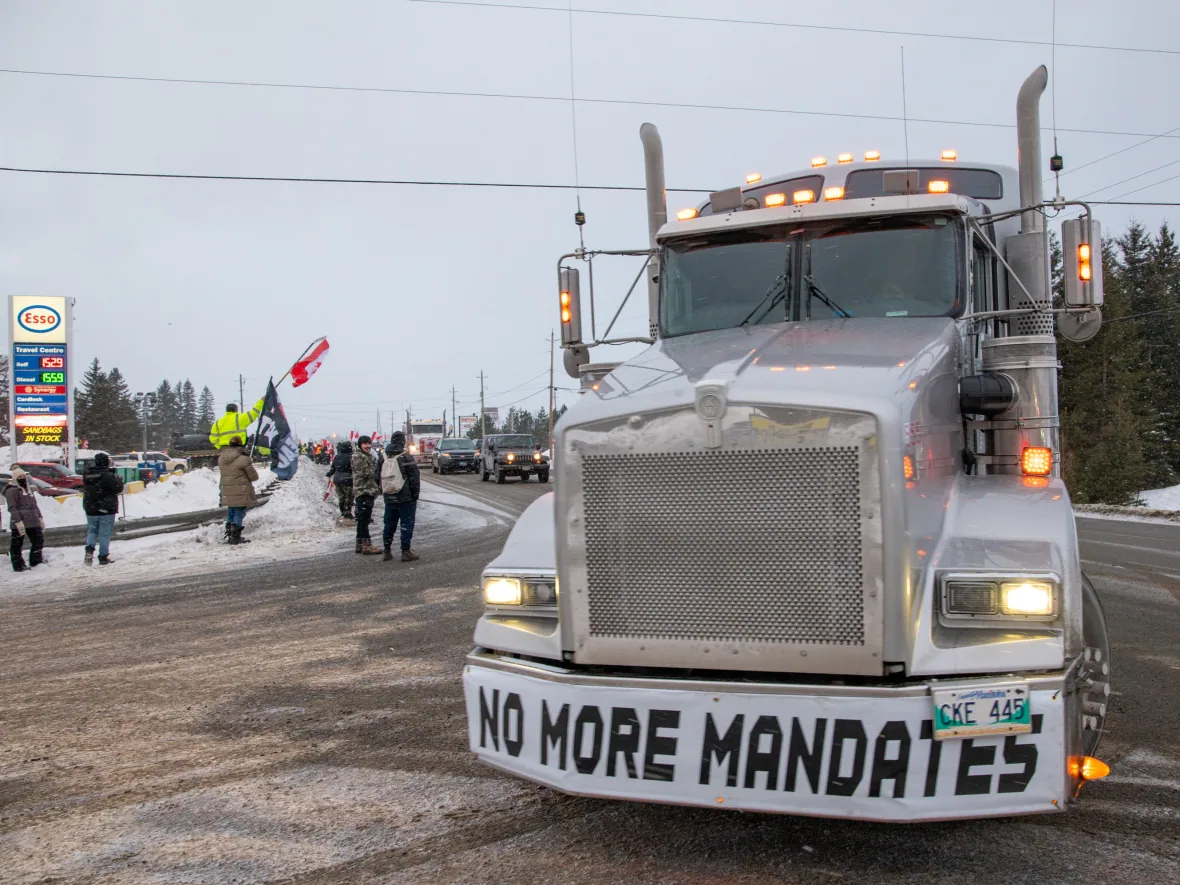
(453, 455)
(157, 461)
(41, 487)
(57, 475)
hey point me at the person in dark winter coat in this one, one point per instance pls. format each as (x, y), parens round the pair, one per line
(366, 490)
(24, 521)
(341, 475)
(237, 487)
(402, 505)
(100, 502)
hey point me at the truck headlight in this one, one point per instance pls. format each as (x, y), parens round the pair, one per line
(537, 457)
(997, 597)
(510, 457)
(501, 591)
(444, 455)
(1027, 598)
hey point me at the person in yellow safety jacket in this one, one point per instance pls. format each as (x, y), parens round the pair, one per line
(233, 423)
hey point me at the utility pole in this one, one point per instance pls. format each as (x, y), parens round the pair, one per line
(454, 414)
(550, 436)
(483, 419)
(242, 393)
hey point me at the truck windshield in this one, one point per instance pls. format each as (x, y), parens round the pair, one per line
(428, 429)
(880, 267)
(724, 280)
(456, 445)
(518, 441)
(896, 267)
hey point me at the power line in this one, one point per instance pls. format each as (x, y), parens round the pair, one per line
(308, 180)
(1132, 178)
(798, 26)
(565, 99)
(1116, 153)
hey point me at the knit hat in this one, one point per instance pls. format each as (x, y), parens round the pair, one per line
(102, 459)
(364, 440)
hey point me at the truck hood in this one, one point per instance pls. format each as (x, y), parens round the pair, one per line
(827, 360)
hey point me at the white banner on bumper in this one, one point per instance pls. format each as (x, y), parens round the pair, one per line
(858, 757)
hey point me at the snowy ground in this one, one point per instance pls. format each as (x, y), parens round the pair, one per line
(30, 452)
(295, 523)
(1162, 499)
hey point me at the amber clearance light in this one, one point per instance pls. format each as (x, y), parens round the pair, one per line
(1036, 461)
(775, 199)
(938, 186)
(803, 197)
(1088, 768)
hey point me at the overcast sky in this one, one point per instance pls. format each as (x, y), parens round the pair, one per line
(419, 288)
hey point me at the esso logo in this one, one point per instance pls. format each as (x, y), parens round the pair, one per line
(39, 318)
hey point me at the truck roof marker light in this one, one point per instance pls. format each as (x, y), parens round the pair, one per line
(827, 367)
(686, 214)
(775, 199)
(907, 466)
(1088, 768)
(843, 158)
(816, 162)
(950, 155)
(778, 368)
(804, 196)
(802, 368)
(870, 156)
(753, 178)
(939, 186)
(833, 193)
(1036, 461)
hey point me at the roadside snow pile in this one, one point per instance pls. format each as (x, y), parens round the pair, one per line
(30, 452)
(1162, 499)
(194, 491)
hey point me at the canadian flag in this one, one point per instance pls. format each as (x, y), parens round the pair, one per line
(302, 371)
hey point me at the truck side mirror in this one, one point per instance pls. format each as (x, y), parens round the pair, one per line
(490, 446)
(1081, 242)
(571, 306)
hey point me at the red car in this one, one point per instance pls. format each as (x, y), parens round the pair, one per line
(42, 488)
(54, 474)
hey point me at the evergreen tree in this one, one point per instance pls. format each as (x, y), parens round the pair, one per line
(91, 407)
(1102, 419)
(188, 407)
(206, 411)
(1161, 335)
(122, 415)
(166, 415)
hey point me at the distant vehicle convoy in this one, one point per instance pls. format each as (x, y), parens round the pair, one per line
(454, 455)
(512, 454)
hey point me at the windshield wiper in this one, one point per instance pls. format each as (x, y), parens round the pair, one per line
(779, 281)
(814, 288)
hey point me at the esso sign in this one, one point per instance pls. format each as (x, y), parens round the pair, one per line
(39, 318)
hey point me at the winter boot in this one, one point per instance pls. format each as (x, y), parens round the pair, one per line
(368, 549)
(105, 560)
(387, 556)
(89, 558)
(229, 531)
(35, 557)
(18, 563)
(409, 555)
(359, 546)
(236, 538)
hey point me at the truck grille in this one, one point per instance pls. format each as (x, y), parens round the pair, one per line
(742, 545)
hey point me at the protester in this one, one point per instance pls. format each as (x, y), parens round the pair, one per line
(233, 423)
(365, 490)
(24, 519)
(237, 488)
(400, 483)
(100, 502)
(341, 475)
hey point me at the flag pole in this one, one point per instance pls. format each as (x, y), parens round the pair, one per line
(269, 387)
(306, 351)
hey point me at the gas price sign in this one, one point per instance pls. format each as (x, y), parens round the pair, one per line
(40, 392)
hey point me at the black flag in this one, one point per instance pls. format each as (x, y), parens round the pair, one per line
(274, 433)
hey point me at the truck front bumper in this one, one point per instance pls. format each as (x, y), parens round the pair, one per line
(858, 752)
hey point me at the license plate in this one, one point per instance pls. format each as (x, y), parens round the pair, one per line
(975, 711)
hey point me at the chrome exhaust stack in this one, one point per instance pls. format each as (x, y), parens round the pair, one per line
(657, 214)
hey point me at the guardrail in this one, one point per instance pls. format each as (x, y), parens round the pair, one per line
(128, 529)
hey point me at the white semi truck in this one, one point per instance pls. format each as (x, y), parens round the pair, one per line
(810, 551)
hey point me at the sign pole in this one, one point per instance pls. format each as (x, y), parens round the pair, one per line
(71, 444)
(12, 377)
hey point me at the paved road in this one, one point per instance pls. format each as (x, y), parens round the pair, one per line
(303, 722)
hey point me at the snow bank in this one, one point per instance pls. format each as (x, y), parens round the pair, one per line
(295, 523)
(1162, 499)
(194, 491)
(31, 452)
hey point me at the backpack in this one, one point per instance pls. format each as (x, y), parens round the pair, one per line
(392, 479)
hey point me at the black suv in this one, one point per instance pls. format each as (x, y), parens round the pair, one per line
(452, 455)
(512, 454)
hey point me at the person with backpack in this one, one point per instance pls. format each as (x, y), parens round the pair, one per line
(400, 484)
(341, 475)
(365, 491)
(100, 502)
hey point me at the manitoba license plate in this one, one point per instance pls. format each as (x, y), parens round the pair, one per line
(998, 708)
